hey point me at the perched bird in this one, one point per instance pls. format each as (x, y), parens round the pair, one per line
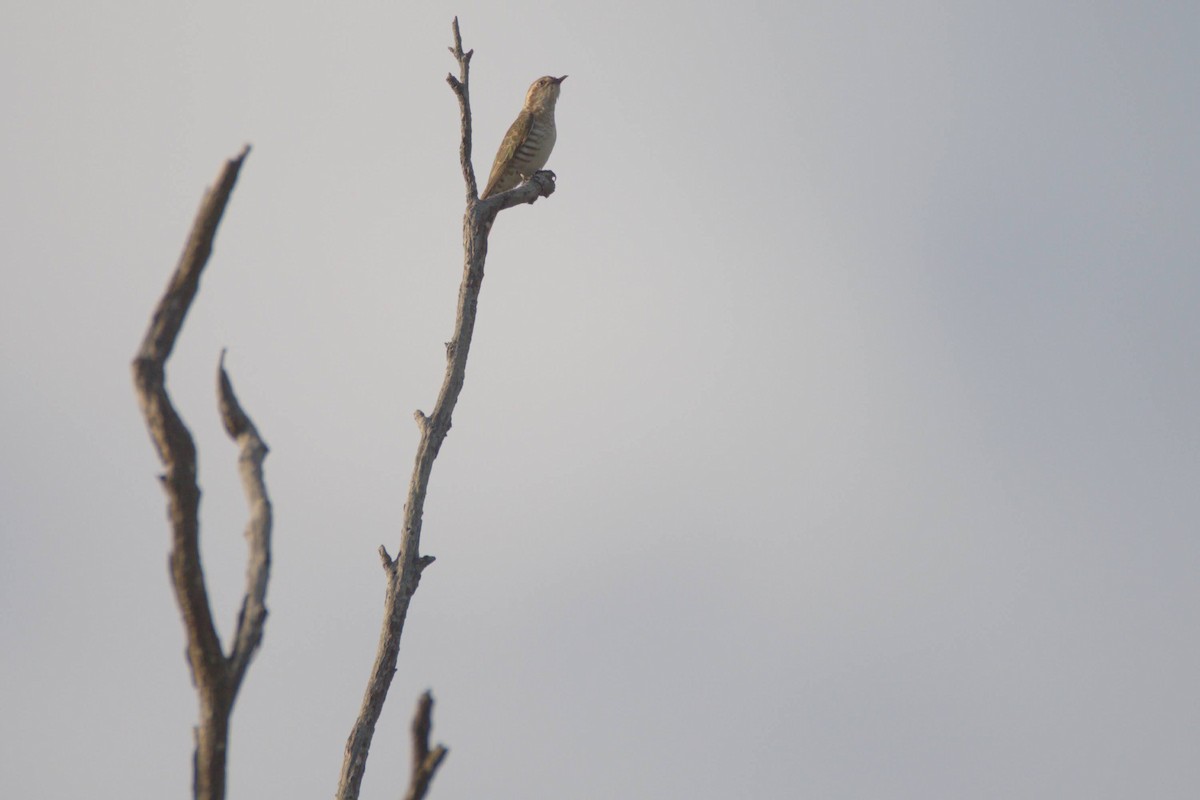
(527, 145)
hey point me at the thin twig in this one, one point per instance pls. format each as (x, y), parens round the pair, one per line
(462, 88)
(425, 761)
(216, 678)
(253, 450)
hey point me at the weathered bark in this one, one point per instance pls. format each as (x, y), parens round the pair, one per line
(217, 678)
(404, 573)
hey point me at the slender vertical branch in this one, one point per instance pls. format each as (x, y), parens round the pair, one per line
(462, 88)
(252, 452)
(216, 677)
(404, 573)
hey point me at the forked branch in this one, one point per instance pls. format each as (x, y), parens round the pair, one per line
(217, 678)
(462, 88)
(425, 760)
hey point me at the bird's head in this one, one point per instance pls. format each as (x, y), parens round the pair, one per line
(543, 92)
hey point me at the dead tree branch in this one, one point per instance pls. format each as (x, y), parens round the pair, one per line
(425, 761)
(462, 88)
(217, 678)
(404, 573)
(252, 451)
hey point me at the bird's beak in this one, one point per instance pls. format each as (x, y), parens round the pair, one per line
(560, 80)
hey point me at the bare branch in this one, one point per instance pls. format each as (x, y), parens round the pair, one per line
(216, 679)
(406, 572)
(540, 184)
(173, 307)
(462, 88)
(425, 761)
(253, 451)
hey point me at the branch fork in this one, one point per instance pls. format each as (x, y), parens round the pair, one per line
(217, 677)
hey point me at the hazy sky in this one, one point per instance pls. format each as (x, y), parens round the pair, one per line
(830, 433)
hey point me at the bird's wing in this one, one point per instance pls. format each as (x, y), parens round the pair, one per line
(517, 133)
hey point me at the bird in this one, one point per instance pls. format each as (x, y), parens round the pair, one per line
(527, 145)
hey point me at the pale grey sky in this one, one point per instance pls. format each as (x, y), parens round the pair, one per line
(831, 432)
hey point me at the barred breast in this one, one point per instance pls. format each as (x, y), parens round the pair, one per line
(530, 155)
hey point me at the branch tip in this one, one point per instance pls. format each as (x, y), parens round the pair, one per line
(461, 87)
(232, 416)
(425, 760)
